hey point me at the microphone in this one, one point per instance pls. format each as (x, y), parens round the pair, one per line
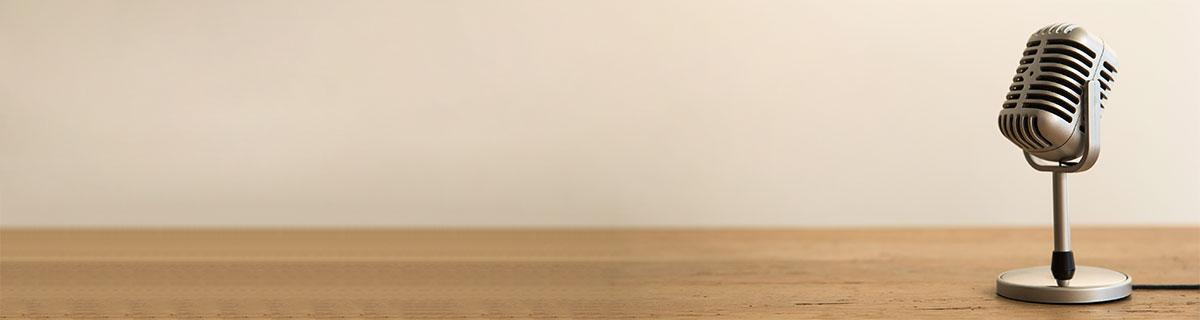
(1052, 112)
(1046, 103)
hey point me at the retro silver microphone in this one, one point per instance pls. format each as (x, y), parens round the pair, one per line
(1052, 112)
(1044, 110)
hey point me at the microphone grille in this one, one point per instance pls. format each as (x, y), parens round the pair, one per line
(1023, 130)
(1057, 28)
(1041, 109)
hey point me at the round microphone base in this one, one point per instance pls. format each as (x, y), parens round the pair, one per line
(1089, 285)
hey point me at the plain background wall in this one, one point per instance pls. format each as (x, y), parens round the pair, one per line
(571, 113)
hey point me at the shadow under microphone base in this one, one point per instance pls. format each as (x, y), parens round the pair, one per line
(1062, 282)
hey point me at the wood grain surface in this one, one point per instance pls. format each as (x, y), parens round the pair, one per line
(882, 273)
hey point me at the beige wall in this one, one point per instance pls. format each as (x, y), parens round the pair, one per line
(580, 113)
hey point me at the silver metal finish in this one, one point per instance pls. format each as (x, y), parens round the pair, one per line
(1090, 285)
(1062, 227)
(1091, 135)
(1042, 113)
(1052, 112)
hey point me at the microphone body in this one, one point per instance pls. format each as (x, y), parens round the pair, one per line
(1052, 112)
(1046, 109)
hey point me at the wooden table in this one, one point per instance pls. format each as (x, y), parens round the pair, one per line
(879, 273)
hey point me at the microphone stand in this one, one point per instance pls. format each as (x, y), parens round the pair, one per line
(1053, 284)
(1062, 262)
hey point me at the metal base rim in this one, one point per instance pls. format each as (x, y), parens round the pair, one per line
(1090, 285)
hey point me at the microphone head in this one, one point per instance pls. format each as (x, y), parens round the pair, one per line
(1043, 109)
